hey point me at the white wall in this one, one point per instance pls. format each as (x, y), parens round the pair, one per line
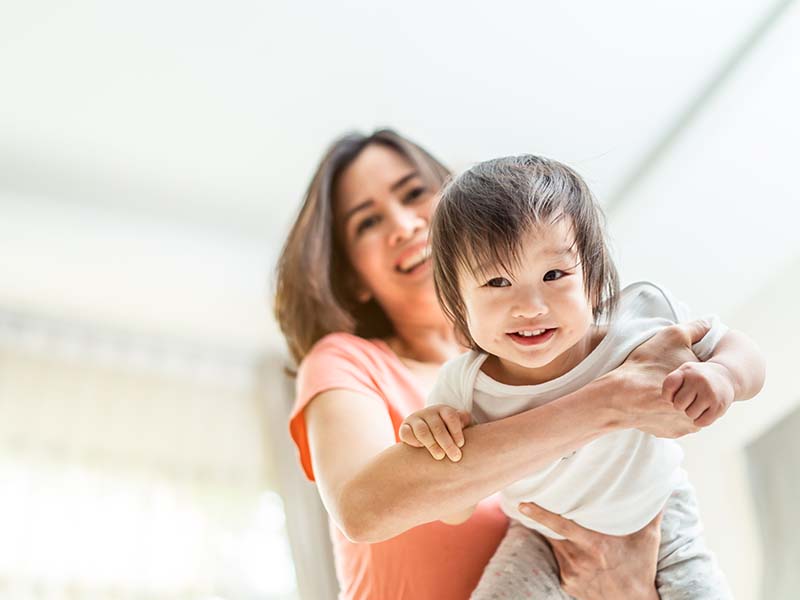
(715, 221)
(135, 272)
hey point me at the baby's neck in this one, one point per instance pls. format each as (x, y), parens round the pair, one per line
(511, 373)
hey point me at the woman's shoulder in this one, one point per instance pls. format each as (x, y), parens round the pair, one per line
(347, 360)
(343, 346)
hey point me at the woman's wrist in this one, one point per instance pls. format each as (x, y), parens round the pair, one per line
(649, 593)
(611, 391)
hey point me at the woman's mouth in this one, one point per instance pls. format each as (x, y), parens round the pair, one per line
(412, 262)
(531, 337)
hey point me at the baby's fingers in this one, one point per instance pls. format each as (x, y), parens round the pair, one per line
(707, 418)
(406, 434)
(453, 420)
(697, 408)
(684, 398)
(443, 437)
(424, 434)
(672, 383)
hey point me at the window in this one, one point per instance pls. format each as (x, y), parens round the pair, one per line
(133, 468)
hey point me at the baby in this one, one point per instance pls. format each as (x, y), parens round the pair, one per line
(522, 268)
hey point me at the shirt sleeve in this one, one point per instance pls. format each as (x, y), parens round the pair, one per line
(333, 363)
(703, 349)
(449, 386)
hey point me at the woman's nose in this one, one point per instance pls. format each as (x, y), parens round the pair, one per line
(405, 224)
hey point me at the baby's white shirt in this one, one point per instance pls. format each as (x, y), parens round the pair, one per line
(617, 483)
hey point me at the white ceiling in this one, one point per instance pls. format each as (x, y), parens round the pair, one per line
(210, 116)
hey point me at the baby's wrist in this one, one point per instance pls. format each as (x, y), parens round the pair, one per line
(726, 372)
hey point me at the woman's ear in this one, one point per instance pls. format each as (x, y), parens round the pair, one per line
(360, 293)
(363, 295)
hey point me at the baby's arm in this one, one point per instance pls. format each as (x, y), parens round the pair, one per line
(704, 390)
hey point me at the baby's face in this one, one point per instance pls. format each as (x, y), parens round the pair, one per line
(538, 317)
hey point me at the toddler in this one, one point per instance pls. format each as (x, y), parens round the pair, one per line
(522, 268)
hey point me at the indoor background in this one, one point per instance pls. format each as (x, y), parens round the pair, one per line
(153, 155)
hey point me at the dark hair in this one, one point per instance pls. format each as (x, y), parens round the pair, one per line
(314, 278)
(484, 214)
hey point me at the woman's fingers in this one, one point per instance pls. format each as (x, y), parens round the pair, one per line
(694, 331)
(555, 522)
(696, 408)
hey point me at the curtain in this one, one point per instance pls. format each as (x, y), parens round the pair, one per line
(134, 467)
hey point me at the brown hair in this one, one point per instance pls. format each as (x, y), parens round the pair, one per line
(485, 212)
(314, 278)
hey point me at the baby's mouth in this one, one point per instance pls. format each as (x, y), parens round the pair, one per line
(529, 337)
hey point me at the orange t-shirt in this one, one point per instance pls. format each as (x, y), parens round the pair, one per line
(432, 561)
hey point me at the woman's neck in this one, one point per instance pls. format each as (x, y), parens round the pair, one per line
(425, 343)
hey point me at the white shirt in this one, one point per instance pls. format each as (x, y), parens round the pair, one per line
(615, 484)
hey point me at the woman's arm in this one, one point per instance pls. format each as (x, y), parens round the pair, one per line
(375, 489)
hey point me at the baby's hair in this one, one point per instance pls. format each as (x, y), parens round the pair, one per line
(485, 213)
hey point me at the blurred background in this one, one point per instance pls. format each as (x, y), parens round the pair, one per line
(153, 156)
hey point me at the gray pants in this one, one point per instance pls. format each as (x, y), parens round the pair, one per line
(524, 566)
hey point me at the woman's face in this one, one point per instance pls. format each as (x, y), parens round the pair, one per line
(382, 214)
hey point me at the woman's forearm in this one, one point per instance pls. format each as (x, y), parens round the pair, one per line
(404, 487)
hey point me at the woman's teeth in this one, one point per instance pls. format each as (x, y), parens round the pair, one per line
(415, 259)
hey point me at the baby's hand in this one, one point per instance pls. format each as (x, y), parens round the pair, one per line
(439, 428)
(703, 390)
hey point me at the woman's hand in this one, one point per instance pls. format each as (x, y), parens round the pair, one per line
(594, 566)
(640, 395)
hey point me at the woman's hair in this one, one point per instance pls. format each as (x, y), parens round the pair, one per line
(485, 213)
(314, 289)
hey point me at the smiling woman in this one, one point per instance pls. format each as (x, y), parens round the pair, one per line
(385, 234)
(395, 173)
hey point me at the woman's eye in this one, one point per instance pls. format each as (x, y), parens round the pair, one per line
(498, 282)
(366, 224)
(554, 274)
(414, 193)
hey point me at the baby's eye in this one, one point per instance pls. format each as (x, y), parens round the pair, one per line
(554, 274)
(498, 282)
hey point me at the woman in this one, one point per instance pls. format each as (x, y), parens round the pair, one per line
(356, 302)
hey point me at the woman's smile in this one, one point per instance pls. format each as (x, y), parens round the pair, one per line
(414, 257)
